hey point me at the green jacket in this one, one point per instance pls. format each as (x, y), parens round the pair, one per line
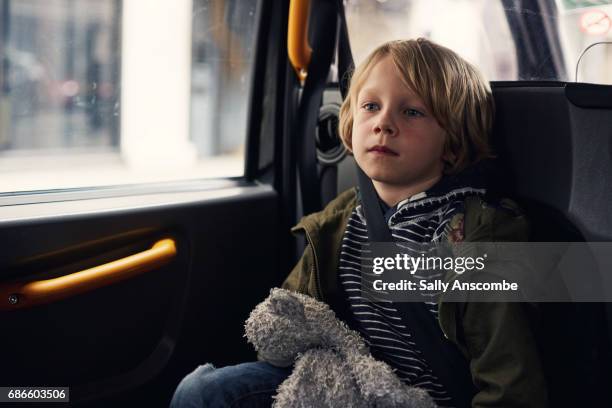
(496, 338)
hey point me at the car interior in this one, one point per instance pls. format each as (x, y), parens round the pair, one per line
(143, 285)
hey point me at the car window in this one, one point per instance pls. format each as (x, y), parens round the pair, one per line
(476, 29)
(108, 92)
(558, 32)
(585, 28)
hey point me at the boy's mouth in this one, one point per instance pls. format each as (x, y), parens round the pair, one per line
(379, 149)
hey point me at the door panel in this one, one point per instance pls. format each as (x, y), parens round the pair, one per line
(135, 339)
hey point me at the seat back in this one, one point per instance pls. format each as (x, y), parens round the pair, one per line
(554, 146)
(554, 143)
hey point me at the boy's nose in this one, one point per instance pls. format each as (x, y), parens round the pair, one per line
(384, 127)
(384, 123)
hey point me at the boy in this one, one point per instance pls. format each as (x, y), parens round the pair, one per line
(416, 119)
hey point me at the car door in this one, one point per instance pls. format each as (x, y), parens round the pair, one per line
(117, 291)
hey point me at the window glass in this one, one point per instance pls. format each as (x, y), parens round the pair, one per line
(586, 29)
(479, 31)
(223, 43)
(476, 29)
(111, 92)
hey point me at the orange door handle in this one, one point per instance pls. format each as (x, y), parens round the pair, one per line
(18, 295)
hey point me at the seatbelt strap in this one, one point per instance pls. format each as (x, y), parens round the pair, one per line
(444, 358)
(324, 16)
(378, 230)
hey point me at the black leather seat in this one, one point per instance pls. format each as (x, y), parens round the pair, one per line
(554, 146)
(555, 150)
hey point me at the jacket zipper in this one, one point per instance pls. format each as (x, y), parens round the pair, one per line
(315, 266)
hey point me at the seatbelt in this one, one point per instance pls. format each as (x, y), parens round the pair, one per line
(444, 358)
(324, 15)
(378, 230)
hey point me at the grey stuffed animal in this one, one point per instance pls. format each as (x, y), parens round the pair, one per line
(333, 367)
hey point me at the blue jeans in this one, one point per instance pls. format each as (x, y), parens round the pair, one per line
(246, 385)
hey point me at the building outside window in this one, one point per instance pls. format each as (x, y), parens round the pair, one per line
(111, 92)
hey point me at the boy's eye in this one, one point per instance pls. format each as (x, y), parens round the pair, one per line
(369, 106)
(413, 113)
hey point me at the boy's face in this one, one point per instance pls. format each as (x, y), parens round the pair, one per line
(395, 140)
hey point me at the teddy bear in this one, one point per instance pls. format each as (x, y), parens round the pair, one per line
(332, 364)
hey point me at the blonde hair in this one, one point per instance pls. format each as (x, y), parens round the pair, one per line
(452, 89)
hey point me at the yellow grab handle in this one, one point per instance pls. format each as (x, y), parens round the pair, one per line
(18, 295)
(297, 37)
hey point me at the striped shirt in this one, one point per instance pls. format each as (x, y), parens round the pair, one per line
(420, 219)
